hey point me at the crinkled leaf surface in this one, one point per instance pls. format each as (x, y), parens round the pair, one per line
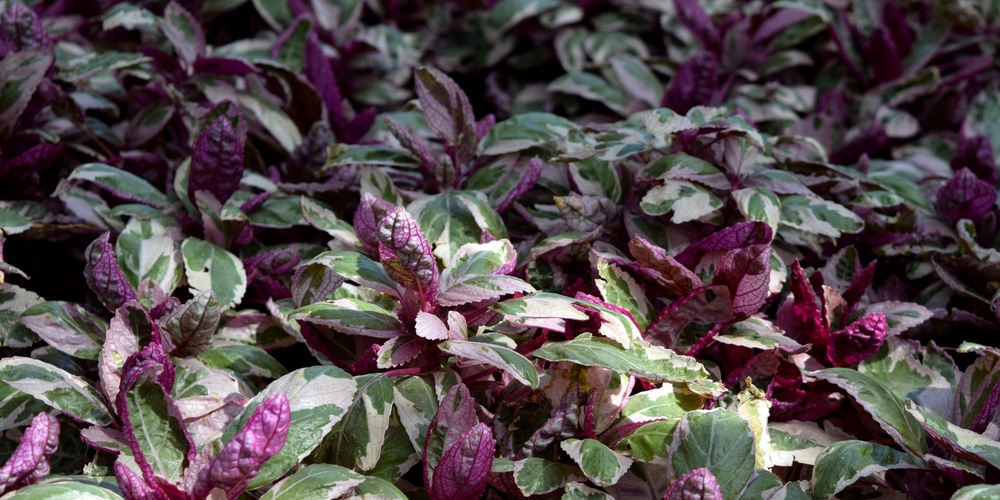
(718, 440)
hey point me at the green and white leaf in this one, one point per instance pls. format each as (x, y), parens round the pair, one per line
(718, 440)
(67, 327)
(243, 359)
(318, 397)
(600, 464)
(149, 249)
(620, 288)
(759, 204)
(14, 301)
(118, 180)
(55, 387)
(351, 316)
(357, 440)
(844, 463)
(506, 359)
(538, 476)
(416, 404)
(210, 267)
(643, 360)
(960, 441)
(815, 215)
(315, 482)
(687, 201)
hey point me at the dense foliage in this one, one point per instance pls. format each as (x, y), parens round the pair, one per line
(504, 249)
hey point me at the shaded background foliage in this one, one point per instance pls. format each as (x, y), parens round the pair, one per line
(538, 247)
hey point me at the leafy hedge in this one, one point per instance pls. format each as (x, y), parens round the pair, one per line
(515, 248)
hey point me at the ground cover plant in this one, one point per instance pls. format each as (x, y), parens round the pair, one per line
(499, 249)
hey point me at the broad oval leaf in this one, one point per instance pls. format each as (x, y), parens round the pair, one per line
(315, 482)
(880, 403)
(718, 440)
(600, 464)
(537, 476)
(843, 463)
(55, 387)
(504, 358)
(687, 201)
(318, 397)
(70, 488)
(210, 267)
(645, 361)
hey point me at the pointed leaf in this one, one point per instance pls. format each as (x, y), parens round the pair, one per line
(149, 249)
(455, 417)
(448, 112)
(192, 325)
(537, 476)
(239, 461)
(965, 197)
(122, 184)
(406, 255)
(217, 160)
(104, 276)
(55, 387)
(351, 316)
(316, 482)
(184, 32)
(465, 466)
(814, 215)
(504, 358)
(746, 273)
(843, 463)
(318, 397)
(67, 327)
(20, 74)
(30, 461)
(959, 441)
(645, 361)
(857, 341)
(357, 440)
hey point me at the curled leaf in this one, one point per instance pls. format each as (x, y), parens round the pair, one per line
(366, 219)
(30, 461)
(858, 341)
(407, 255)
(104, 276)
(239, 461)
(965, 197)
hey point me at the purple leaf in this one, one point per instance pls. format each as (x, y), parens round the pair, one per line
(217, 161)
(30, 461)
(192, 325)
(563, 423)
(370, 212)
(103, 275)
(895, 22)
(465, 466)
(415, 145)
(665, 270)
(223, 66)
(455, 417)
(484, 126)
(736, 236)
(976, 154)
(448, 112)
(779, 21)
(693, 85)
(693, 16)
(869, 142)
(698, 484)
(803, 316)
(965, 197)
(858, 286)
(133, 487)
(858, 341)
(309, 157)
(407, 256)
(35, 159)
(243, 456)
(184, 32)
(20, 29)
(745, 272)
(884, 57)
(359, 125)
(317, 69)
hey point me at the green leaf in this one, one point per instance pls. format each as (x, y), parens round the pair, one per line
(580, 491)
(357, 268)
(67, 327)
(129, 17)
(525, 131)
(983, 118)
(416, 404)
(506, 13)
(643, 360)
(379, 488)
(158, 431)
(600, 464)
(55, 387)
(591, 87)
(880, 403)
(687, 200)
(20, 74)
(620, 288)
(504, 358)
(318, 397)
(276, 14)
(325, 220)
(397, 455)
(718, 440)
(686, 167)
(638, 80)
(14, 301)
(357, 440)
(349, 154)
(666, 401)
(977, 492)
(279, 211)
(210, 267)
(17, 408)
(759, 204)
(351, 316)
(148, 249)
(70, 488)
(896, 367)
(91, 63)
(247, 360)
(125, 184)
(455, 218)
(537, 476)
(315, 482)
(651, 442)
(814, 215)
(843, 463)
(966, 444)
